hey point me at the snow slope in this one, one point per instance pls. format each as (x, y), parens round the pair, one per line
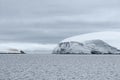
(110, 37)
(90, 43)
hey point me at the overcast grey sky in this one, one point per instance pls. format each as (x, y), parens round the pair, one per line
(50, 21)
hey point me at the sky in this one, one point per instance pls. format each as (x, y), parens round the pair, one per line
(50, 21)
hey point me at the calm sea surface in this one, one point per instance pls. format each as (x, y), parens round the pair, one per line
(59, 67)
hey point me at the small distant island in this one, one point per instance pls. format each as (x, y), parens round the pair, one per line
(12, 51)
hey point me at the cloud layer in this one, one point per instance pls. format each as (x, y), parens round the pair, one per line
(50, 21)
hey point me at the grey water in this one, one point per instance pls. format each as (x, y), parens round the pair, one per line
(59, 67)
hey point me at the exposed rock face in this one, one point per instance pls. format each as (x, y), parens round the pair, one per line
(87, 47)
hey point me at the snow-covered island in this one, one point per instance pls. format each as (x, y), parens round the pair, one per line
(92, 43)
(11, 51)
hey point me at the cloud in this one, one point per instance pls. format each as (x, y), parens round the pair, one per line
(98, 15)
(50, 21)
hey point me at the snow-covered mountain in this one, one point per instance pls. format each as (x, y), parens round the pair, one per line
(93, 43)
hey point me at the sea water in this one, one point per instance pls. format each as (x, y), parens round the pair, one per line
(59, 67)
